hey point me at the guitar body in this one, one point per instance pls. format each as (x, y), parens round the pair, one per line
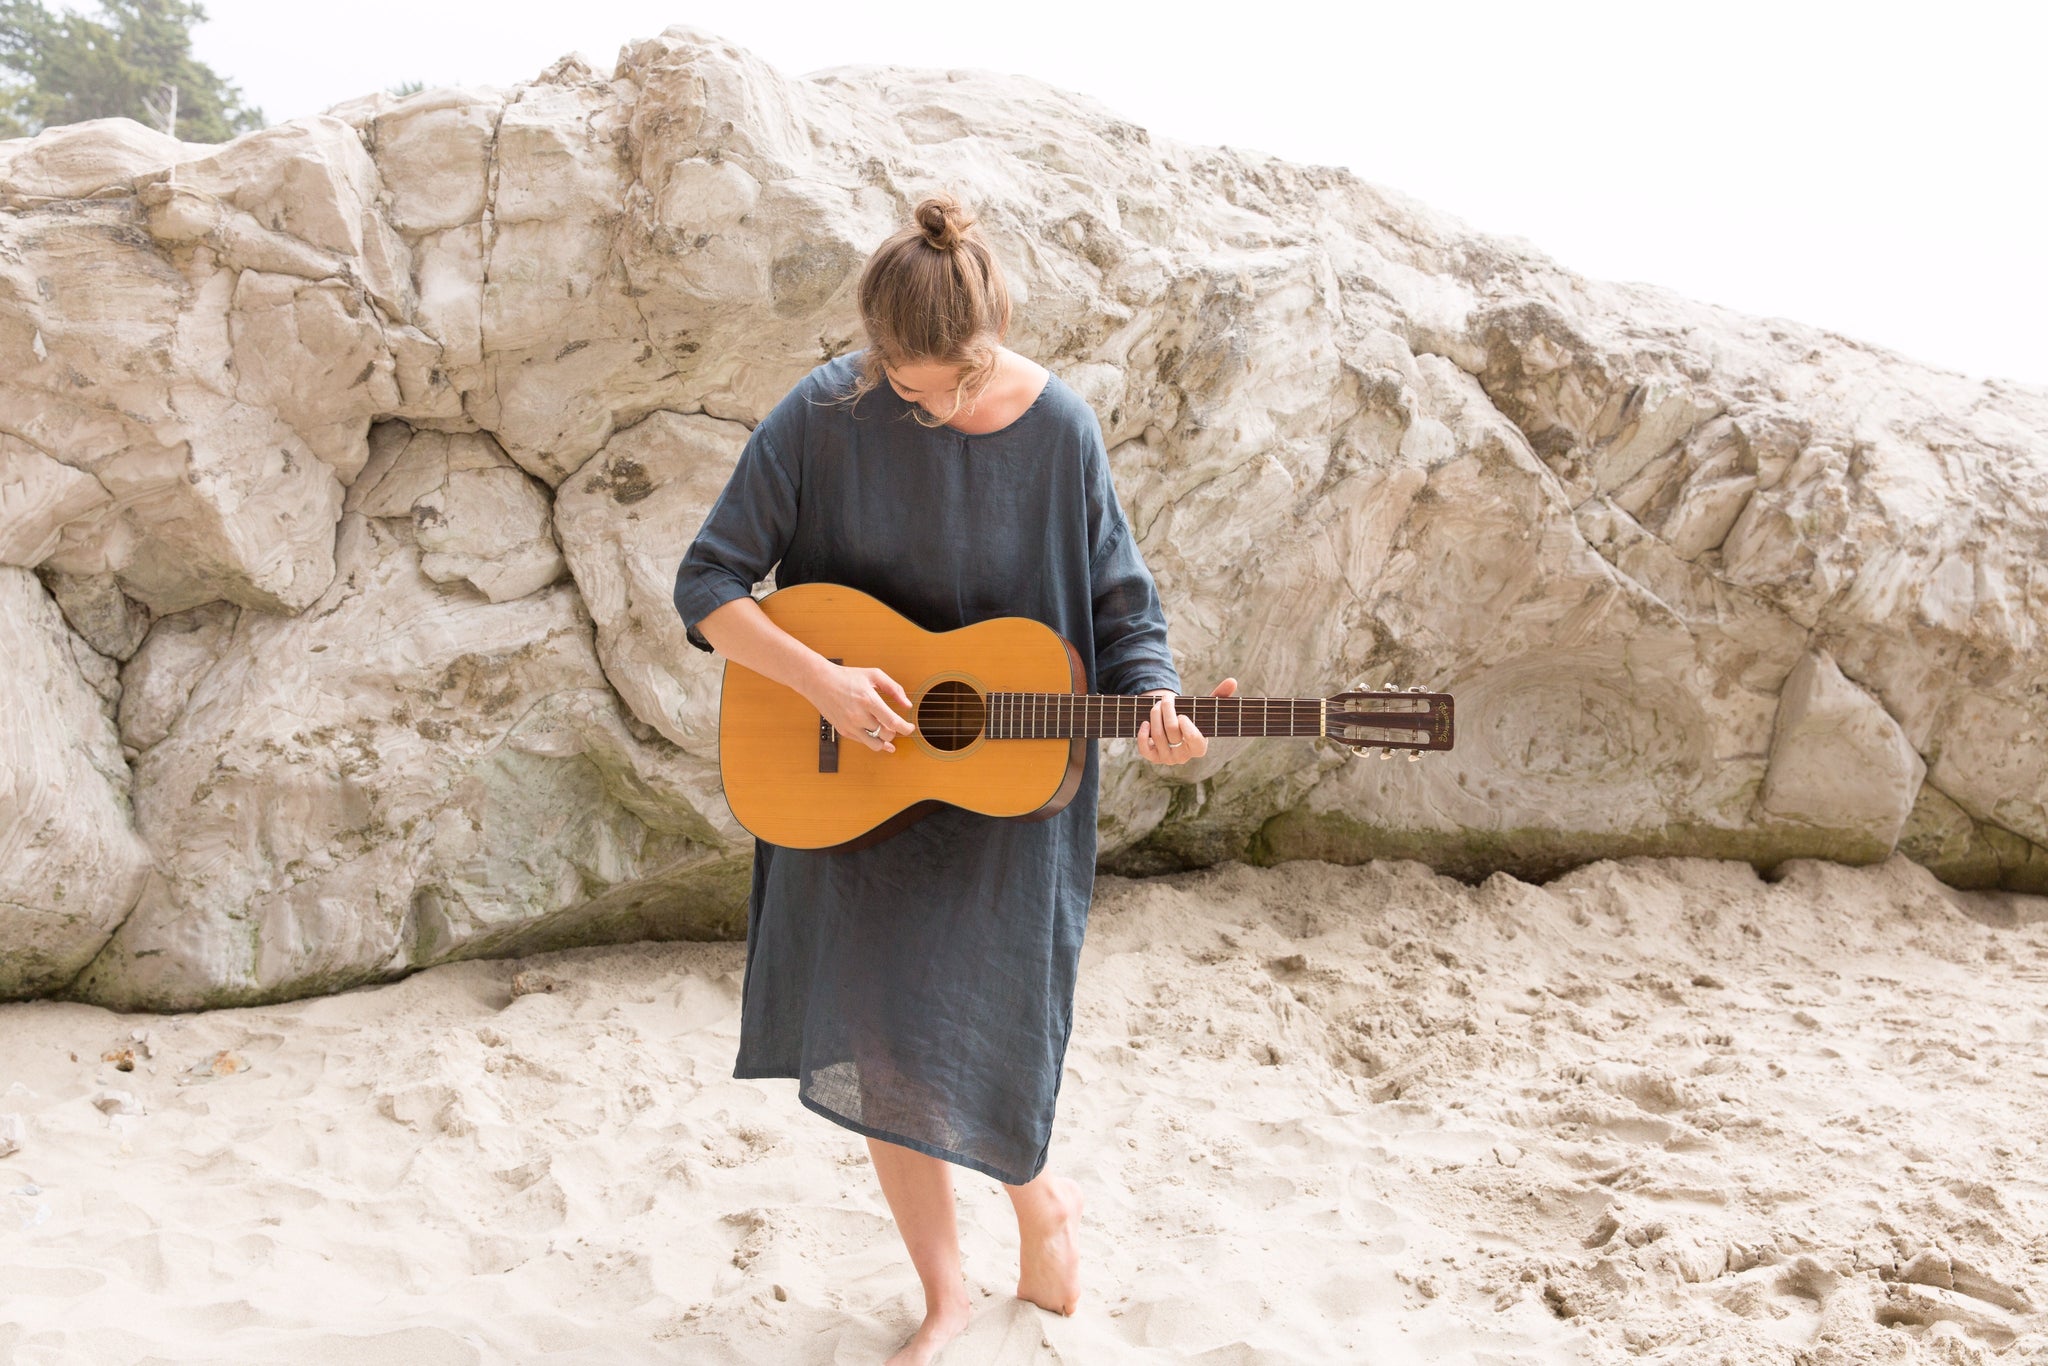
(793, 782)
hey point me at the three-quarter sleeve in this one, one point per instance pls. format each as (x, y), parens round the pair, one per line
(743, 537)
(1131, 654)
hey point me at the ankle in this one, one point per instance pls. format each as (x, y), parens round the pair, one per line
(946, 1297)
(1045, 1202)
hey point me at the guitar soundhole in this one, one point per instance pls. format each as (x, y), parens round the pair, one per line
(951, 715)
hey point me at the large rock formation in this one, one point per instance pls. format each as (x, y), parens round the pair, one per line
(354, 457)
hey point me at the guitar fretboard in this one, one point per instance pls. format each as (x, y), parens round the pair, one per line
(1041, 715)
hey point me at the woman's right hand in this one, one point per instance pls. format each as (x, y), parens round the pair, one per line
(854, 699)
(850, 699)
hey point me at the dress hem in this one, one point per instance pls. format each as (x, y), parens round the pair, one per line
(914, 1144)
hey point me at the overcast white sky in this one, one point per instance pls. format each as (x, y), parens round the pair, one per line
(1870, 168)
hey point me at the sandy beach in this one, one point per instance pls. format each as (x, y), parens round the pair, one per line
(1655, 1110)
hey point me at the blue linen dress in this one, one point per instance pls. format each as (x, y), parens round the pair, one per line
(921, 990)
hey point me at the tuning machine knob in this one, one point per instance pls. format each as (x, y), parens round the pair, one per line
(1414, 756)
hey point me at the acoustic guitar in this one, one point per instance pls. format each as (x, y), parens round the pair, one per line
(1003, 719)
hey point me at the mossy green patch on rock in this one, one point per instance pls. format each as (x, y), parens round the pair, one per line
(34, 969)
(1536, 854)
(705, 899)
(1964, 852)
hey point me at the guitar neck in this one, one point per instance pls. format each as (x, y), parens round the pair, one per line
(1059, 716)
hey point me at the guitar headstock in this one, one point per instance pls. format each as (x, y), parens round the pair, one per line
(1391, 719)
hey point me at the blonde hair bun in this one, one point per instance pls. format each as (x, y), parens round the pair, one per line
(942, 221)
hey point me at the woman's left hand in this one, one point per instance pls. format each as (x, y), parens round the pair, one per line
(1170, 738)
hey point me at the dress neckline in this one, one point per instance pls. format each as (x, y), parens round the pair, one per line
(1029, 408)
(1037, 401)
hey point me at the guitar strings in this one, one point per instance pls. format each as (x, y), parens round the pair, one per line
(1010, 715)
(1103, 715)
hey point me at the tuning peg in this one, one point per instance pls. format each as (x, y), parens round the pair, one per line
(1386, 753)
(1417, 690)
(1414, 756)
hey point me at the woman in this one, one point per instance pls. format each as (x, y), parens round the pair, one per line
(921, 989)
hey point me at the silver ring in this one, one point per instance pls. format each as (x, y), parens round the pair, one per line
(1173, 744)
(875, 732)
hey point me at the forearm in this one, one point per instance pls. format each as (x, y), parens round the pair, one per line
(742, 632)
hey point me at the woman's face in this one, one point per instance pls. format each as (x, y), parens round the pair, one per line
(932, 385)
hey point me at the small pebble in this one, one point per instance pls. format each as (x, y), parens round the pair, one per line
(12, 1131)
(113, 1102)
(780, 1293)
(532, 981)
(221, 1064)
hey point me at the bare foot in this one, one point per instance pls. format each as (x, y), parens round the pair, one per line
(1049, 1249)
(942, 1323)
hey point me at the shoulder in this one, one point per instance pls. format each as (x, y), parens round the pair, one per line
(833, 378)
(1066, 407)
(1075, 425)
(821, 388)
(811, 405)
(1077, 431)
